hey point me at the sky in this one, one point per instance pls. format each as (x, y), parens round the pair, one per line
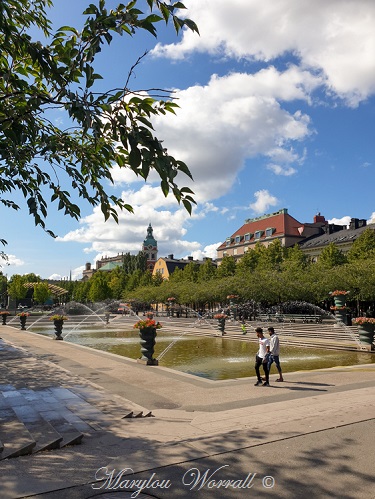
(276, 110)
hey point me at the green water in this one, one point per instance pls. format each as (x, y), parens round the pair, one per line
(214, 358)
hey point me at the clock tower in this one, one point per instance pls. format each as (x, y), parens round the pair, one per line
(150, 248)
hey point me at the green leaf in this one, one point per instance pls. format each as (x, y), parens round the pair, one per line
(165, 187)
(135, 157)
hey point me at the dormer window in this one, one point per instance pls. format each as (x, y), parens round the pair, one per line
(258, 234)
(247, 236)
(228, 241)
(270, 231)
(237, 239)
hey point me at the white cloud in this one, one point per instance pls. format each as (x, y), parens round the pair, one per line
(264, 200)
(281, 170)
(55, 277)
(216, 129)
(15, 261)
(333, 37)
(340, 221)
(231, 119)
(207, 252)
(110, 239)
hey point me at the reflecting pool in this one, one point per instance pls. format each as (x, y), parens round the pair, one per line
(215, 358)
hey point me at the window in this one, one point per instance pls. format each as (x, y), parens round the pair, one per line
(258, 234)
(228, 241)
(269, 232)
(235, 251)
(238, 239)
(247, 236)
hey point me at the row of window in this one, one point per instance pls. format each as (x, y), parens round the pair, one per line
(247, 237)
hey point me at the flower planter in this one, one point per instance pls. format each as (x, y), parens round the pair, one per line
(339, 300)
(58, 324)
(23, 319)
(221, 325)
(148, 336)
(340, 316)
(366, 334)
(4, 317)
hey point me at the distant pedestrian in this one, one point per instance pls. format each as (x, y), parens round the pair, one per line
(243, 327)
(274, 352)
(261, 357)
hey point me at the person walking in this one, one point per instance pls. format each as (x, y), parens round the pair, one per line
(243, 327)
(274, 352)
(261, 357)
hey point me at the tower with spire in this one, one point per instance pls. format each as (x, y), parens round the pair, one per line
(150, 248)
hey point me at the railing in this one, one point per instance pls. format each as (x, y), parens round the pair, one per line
(304, 318)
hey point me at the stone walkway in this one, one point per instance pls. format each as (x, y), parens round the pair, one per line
(148, 419)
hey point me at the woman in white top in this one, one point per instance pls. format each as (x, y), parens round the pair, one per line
(261, 357)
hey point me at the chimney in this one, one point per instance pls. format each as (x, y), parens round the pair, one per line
(331, 228)
(319, 218)
(171, 257)
(190, 258)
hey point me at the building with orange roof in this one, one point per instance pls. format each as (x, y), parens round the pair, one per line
(265, 229)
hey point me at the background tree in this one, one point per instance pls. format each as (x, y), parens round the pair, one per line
(363, 247)
(3, 290)
(16, 288)
(272, 256)
(248, 262)
(107, 127)
(206, 271)
(81, 291)
(227, 267)
(330, 257)
(41, 293)
(117, 282)
(130, 263)
(99, 287)
(295, 258)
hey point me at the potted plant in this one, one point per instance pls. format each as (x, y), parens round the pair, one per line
(58, 322)
(23, 316)
(339, 297)
(147, 332)
(221, 322)
(366, 330)
(4, 314)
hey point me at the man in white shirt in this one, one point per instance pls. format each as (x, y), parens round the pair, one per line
(274, 352)
(261, 357)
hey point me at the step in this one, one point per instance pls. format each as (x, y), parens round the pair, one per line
(42, 432)
(70, 435)
(17, 440)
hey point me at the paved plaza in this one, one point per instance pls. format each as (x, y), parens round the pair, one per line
(106, 426)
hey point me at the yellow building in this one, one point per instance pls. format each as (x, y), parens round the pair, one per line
(166, 266)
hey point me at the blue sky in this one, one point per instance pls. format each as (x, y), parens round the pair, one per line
(277, 110)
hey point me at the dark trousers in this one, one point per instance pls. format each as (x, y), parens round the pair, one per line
(259, 362)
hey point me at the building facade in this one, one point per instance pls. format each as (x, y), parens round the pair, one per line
(311, 237)
(341, 235)
(150, 248)
(108, 263)
(265, 229)
(166, 266)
